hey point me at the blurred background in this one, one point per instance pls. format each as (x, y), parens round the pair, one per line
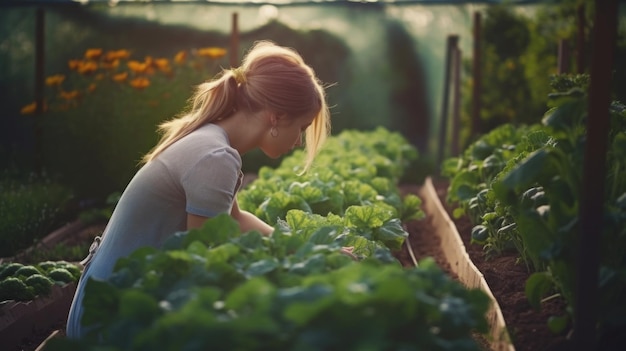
(106, 73)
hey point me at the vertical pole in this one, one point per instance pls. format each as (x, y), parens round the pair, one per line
(456, 102)
(443, 123)
(39, 86)
(477, 76)
(564, 57)
(234, 41)
(580, 40)
(594, 174)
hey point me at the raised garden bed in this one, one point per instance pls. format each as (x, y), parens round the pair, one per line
(24, 324)
(437, 237)
(506, 277)
(432, 237)
(440, 237)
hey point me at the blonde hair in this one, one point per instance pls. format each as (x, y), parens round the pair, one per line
(270, 77)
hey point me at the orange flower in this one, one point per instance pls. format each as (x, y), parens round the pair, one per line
(110, 64)
(510, 64)
(212, 52)
(150, 65)
(91, 88)
(120, 77)
(69, 95)
(139, 83)
(87, 67)
(29, 109)
(137, 67)
(55, 80)
(115, 55)
(92, 54)
(162, 63)
(32, 108)
(180, 57)
(73, 64)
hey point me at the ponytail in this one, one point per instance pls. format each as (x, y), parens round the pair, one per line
(212, 101)
(270, 77)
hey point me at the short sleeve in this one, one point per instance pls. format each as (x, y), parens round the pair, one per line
(211, 183)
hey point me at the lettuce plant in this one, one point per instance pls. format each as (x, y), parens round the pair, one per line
(218, 288)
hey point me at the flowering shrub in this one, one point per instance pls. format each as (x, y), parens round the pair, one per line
(100, 115)
(96, 66)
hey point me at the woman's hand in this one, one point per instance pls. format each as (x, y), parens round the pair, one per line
(247, 221)
(347, 250)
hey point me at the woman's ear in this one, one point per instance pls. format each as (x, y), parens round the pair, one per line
(281, 118)
(272, 118)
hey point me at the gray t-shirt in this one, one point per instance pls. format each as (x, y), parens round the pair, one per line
(199, 174)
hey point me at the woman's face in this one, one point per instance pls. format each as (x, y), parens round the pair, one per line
(289, 134)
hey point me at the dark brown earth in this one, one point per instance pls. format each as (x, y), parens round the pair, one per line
(505, 276)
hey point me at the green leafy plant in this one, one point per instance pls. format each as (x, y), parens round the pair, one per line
(24, 282)
(294, 289)
(552, 229)
(62, 251)
(534, 200)
(85, 134)
(30, 207)
(216, 287)
(471, 179)
(353, 168)
(101, 213)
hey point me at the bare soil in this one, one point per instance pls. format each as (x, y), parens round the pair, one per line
(505, 275)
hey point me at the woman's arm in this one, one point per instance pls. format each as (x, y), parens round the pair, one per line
(247, 221)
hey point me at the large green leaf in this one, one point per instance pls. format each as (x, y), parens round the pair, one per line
(538, 285)
(101, 302)
(262, 267)
(391, 234)
(367, 216)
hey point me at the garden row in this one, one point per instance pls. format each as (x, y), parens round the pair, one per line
(21, 282)
(521, 188)
(217, 287)
(34, 297)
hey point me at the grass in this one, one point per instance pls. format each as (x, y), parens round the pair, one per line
(30, 207)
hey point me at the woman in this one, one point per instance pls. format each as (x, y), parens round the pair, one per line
(194, 172)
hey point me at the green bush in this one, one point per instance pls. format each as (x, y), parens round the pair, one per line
(26, 282)
(42, 285)
(61, 251)
(520, 55)
(100, 136)
(521, 187)
(15, 289)
(103, 106)
(29, 209)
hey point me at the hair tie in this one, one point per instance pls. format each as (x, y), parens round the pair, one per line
(239, 75)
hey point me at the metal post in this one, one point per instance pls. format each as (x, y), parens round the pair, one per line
(443, 126)
(594, 174)
(456, 102)
(234, 41)
(564, 57)
(477, 76)
(39, 86)
(580, 40)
